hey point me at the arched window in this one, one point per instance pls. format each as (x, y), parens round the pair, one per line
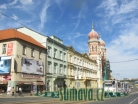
(92, 49)
(96, 48)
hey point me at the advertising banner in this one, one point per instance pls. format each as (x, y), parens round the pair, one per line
(5, 65)
(9, 49)
(32, 66)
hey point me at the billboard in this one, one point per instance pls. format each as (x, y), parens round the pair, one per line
(32, 66)
(5, 65)
(10, 49)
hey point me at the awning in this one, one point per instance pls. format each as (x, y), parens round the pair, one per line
(4, 82)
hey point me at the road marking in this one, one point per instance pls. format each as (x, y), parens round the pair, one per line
(133, 100)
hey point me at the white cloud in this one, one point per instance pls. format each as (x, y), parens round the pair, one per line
(80, 16)
(43, 14)
(120, 18)
(118, 11)
(13, 3)
(5, 6)
(26, 2)
(14, 17)
(124, 48)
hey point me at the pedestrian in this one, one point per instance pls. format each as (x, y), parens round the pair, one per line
(20, 91)
(8, 90)
(13, 90)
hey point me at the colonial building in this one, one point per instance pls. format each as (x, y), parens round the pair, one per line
(82, 71)
(97, 51)
(22, 62)
(56, 58)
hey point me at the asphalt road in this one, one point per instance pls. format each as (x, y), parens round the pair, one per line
(131, 99)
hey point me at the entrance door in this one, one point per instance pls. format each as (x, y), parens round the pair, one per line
(3, 88)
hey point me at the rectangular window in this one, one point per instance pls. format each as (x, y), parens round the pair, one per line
(55, 53)
(40, 54)
(60, 55)
(60, 71)
(81, 62)
(64, 56)
(32, 52)
(49, 51)
(75, 60)
(78, 61)
(24, 50)
(48, 68)
(64, 70)
(71, 72)
(70, 58)
(55, 68)
(4, 48)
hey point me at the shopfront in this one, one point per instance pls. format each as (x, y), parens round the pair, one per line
(40, 86)
(3, 86)
(26, 86)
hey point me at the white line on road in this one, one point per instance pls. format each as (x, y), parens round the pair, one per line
(133, 100)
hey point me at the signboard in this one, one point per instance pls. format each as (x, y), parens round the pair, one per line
(5, 65)
(52, 94)
(32, 66)
(30, 76)
(10, 49)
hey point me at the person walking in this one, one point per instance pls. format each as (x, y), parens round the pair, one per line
(8, 90)
(13, 90)
(20, 91)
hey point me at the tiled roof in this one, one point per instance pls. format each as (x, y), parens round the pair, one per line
(14, 34)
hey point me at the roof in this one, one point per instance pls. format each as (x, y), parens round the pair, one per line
(14, 34)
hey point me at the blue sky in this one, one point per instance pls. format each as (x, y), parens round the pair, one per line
(71, 21)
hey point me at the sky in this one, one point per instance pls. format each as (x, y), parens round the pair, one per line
(71, 21)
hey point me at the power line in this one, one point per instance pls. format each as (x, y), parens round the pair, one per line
(124, 61)
(12, 19)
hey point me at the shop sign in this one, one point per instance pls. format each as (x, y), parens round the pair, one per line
(30, 76)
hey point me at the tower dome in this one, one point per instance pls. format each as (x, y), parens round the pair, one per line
(102, 43)
(93, 34)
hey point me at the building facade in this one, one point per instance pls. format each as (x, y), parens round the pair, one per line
(56, 58)
(22, 62)
(97, 51)
(82, 71)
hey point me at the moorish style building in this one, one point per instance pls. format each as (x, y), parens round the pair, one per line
(97, 51)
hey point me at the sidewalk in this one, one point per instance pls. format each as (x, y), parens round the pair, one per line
(5, 95)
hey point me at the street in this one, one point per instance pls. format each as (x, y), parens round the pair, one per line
(131, 99)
